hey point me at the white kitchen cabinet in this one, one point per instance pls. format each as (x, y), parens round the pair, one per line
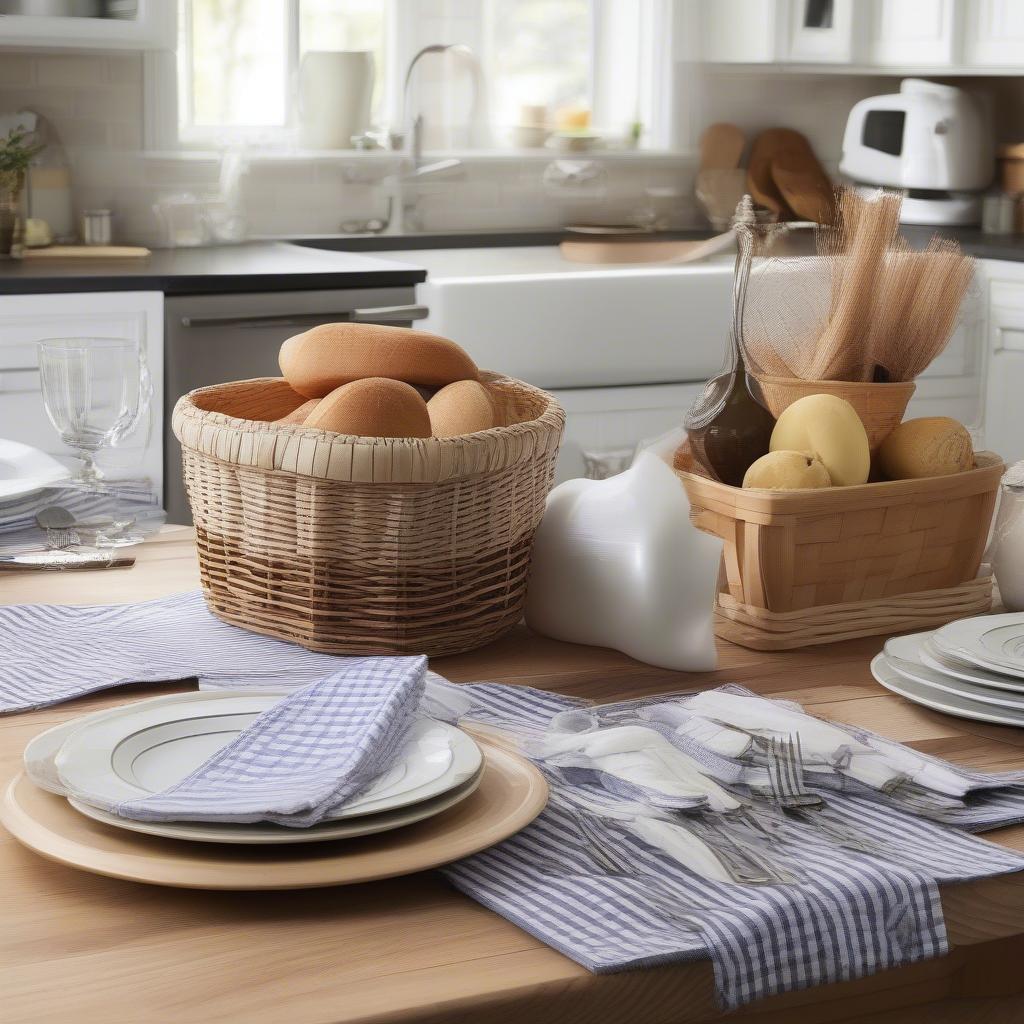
(153, 27)
(741, 31)
(26, 320)
(994, 33)
(1004, 406)
(820, 32)
(921, 32)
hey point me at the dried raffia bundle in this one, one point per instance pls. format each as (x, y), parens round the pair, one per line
(866, 307)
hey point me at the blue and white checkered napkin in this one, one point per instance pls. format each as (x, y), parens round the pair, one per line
(307, 755)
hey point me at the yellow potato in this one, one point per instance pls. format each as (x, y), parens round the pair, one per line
(787, 471)
(929, 446)
(828, 428)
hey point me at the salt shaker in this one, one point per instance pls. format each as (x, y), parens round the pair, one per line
(1008, 539)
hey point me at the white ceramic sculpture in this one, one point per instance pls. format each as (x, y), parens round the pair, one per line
(617, 563)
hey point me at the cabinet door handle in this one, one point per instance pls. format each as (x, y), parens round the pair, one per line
(378, 315)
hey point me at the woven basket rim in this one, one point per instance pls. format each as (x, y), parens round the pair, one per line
(986, 465)
(324, 455)
(552, 415)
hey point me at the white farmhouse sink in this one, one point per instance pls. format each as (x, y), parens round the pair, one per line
(530, 313)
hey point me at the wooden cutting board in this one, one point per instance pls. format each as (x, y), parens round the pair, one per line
(88, 252)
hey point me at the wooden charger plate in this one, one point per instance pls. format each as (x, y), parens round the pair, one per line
(512, 792)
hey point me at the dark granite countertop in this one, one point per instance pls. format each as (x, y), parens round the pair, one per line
(217, 270)
(336, 261)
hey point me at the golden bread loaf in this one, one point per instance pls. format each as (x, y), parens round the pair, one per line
(461, 408)
(372, 407)
(330, 355)
(299, 414)
(929, 446)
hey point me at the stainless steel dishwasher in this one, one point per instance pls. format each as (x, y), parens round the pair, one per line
(210, 339)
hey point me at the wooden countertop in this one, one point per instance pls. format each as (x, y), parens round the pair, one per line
(82, 948)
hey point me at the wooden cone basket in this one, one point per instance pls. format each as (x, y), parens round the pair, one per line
(812, 566)
(879, 406)
(365, 545)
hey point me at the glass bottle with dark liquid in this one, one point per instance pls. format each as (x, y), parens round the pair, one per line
(735, 431)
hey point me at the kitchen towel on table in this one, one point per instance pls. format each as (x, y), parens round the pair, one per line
(53, 653)
(307, 755)
(635, 859)
(597, 875)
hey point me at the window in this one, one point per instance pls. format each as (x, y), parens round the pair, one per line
(238, 65)
(238, 62)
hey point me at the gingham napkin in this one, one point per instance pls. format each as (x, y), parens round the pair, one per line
(310, 753)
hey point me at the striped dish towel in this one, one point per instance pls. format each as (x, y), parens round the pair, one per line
(53, 653)
(610, 891)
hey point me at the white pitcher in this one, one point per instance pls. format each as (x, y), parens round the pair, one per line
(335, 90)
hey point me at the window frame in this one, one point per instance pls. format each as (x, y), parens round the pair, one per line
(405, 35)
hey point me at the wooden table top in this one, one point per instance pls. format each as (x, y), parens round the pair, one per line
(79, 947)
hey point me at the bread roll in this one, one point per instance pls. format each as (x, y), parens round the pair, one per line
(298, 415)
(929, 446)
(373, 407)
(461, 408)
(325, 357)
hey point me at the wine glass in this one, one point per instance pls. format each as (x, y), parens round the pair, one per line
(95, 391)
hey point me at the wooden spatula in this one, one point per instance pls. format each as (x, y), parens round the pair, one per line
(771, 145)
(721, 147)
(804, 186)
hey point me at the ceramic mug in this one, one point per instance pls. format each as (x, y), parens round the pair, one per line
(335, 90)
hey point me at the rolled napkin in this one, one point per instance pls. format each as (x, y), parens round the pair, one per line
(302, 759)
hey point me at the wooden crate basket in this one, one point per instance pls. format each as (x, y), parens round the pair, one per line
(365, 545)
(804, 563)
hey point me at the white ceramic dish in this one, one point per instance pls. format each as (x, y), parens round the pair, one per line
(992, 642)
(918, 649)
(145, 747)
(268, 834)
(25, 470)
(939, 700)
(918, 673)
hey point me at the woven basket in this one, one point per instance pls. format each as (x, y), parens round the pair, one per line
(879, 406)
(790, 550)
(365, 545)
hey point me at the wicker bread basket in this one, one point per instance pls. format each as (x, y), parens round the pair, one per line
(365, 545)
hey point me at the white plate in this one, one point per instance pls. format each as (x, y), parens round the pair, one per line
(918, 649)
(129, 752)
(992, 642)
(267, 834)
(25, 470)
(939, 700)
(918, 673)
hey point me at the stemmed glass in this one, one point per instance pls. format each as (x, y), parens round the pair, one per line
(95, 391)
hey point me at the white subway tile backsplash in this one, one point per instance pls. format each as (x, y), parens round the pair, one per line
(74, 70)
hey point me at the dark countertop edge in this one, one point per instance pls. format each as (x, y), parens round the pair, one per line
(209, 284)
(466, 239)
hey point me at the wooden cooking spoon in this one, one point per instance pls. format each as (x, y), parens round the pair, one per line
(771, 145)
(804, 186)
(721, 147)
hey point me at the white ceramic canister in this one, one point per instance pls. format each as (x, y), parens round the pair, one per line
(335, 90)
(1008, 539)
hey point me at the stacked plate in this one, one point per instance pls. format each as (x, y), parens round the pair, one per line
(973, 668)
(129, 752)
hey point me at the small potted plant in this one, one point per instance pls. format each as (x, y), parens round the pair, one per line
(16, 153)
